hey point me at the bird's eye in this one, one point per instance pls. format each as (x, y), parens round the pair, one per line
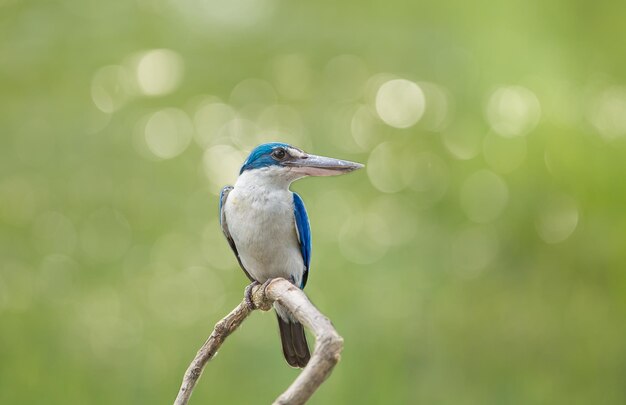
(279, 154)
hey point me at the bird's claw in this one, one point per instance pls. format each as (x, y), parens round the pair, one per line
(266, 283)
(248, 295)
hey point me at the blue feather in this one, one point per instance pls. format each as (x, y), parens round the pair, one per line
(260, 156)
(304, 234)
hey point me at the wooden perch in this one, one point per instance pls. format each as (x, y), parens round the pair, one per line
(328, 343)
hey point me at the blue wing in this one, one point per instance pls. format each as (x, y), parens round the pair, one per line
(224, 224)
(303, 229)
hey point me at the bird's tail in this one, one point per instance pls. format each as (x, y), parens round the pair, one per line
(295, 347)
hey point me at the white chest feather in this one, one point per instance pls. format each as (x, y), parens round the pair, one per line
(261, 222)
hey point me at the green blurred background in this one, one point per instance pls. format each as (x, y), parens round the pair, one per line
(478, 259)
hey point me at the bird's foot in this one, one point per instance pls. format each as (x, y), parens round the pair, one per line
(266, 283)
(265, 305)
(248, 295)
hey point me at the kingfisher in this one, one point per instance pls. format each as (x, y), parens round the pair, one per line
(268, 229)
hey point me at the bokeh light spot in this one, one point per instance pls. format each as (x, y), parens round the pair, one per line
(339, 120)
(281, 122)
(513, 111)
(209, 118)
(463, 139)
(558, 218)
(110, 88)
(159, 72)
(400, 103)
(240, 132)
(221, 165)
(483, 196)
(168, 133)
(390, 167)
(216, 16)
(607, 113)
(437, 107)
(366, 128)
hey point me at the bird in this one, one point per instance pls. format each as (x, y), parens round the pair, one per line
(268, 229)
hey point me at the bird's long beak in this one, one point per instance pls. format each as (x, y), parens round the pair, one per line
(312, 165)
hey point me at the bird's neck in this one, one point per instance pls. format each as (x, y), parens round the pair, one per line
(266, 179)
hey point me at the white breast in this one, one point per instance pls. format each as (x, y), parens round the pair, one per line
(261, 221)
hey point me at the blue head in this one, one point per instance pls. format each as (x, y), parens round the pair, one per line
(261, 156)
(287, 158)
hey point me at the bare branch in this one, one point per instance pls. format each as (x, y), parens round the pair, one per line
(328, 343)
(222, 329)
